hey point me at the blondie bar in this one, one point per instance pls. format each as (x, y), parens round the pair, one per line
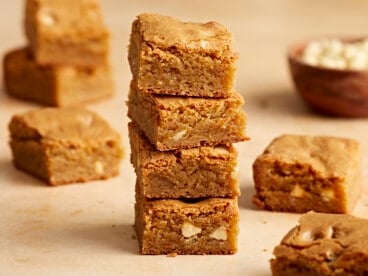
(186, 122)
(170, 226)
(170, 57)
(301, 173)
(66, 32)
(54, 85)
(64, 145)
(323, 244)
(188, 173)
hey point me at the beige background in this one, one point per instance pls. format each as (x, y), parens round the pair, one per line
(87, 228)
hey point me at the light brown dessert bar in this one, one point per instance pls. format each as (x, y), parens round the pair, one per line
(170, 57)
(299, 173)
(188, 173)
(184, 122)
(323, 244)
(64, 145)
(170, 226)
(66, 32)
(54, 85)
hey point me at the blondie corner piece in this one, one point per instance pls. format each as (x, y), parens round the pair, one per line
(66, 32)
(323, 244)
(302, 173)
(170, 57)
(64, 145)
(54, 85)
(189, 173)
(186, 122)
(169, 226)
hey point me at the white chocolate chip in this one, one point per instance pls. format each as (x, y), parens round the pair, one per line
(330, 255)
(221, 150)
(179, 134)
(327, 194)
(99, 167)
(219, 234)
(47, 17)
(337, 54)
(307, 236)
(329, 233)
(85, 119)
(297, 191)
(188, 230)
(204, 44)
(235, 173)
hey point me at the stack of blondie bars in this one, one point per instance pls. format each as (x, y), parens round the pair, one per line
(66, 61)
(185, 115)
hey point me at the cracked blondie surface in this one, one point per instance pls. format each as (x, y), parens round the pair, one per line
(298, 173)
(170, 57)
(323, 244)
(66, 32)
(64, 145)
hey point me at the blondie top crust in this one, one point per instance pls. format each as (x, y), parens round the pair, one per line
(54, 85)
(189, 173)
(301, 173)
(171, 57)
(66, 32)
(323, 244)
(168, 226)
(185, 122)
(64, 145)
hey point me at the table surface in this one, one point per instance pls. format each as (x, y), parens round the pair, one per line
(87, 228)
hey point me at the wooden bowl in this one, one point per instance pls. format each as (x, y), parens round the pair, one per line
(336, 92)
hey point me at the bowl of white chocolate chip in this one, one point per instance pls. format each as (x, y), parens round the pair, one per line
(331, 75)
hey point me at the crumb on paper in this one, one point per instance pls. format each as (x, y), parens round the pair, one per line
(172, 255)
(134, 237)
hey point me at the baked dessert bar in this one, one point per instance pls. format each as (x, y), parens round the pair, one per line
(64, 145)
(170, 57)
(54, 85)
(66, 32)
(170, 226)
(299, 173)
(185, 122)
(188, 173)
(323, 244)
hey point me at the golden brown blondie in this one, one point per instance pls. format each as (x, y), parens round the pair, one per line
(64, 145)
(186, 122)
(323, 245)
(170, 57)
(299, 173)
(188, 173)
(54, 85)
(167, 226)
(66, 32)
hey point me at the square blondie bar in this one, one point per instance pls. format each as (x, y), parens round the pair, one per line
(170, 226)
(299, 173)
(189, 173)
(54, 85)
(64, 145)
(171, 57)
(186, 122)
(323, 244)
(66, 32)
